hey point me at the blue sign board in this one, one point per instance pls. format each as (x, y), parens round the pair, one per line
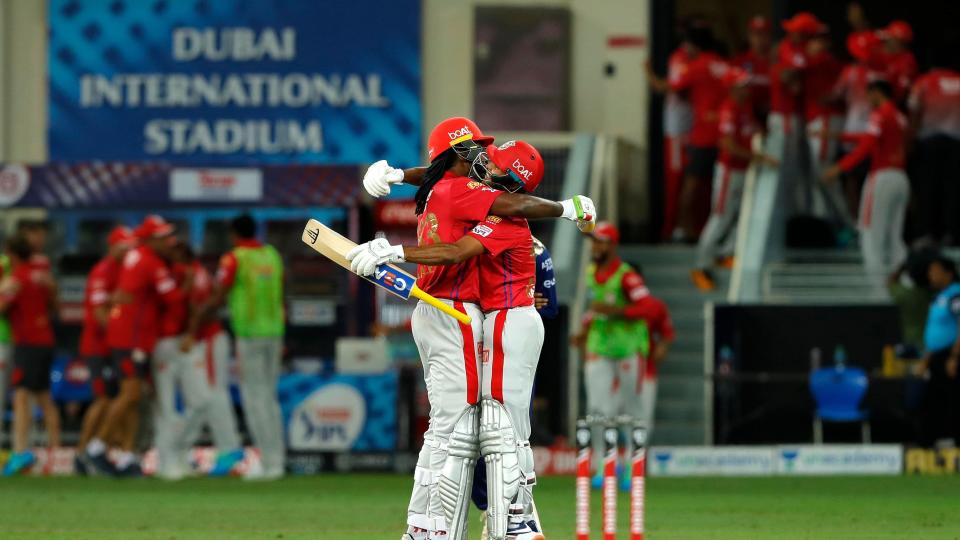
(235, 81)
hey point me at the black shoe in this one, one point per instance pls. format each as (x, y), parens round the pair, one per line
(101, 464)
(80, 464)
(132, 470)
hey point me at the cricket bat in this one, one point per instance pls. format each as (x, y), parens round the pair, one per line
(335, 247)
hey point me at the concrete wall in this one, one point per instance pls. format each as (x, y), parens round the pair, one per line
(614, 104)
(23, 80)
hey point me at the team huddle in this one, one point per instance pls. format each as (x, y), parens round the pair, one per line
(476, 254)
(151, 315)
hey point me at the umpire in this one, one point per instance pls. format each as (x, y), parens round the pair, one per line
(942, 341)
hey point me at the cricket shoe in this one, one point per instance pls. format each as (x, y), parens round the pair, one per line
(19, 462)
(415, 533)
(132, 470)
(100, 464)
(523, 530)
(258, 473)
(81, 466)
(703, 279)
(225, 463)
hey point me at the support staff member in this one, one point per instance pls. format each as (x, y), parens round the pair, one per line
(942, 341)
(250, 282)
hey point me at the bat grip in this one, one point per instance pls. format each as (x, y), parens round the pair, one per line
(449, 310)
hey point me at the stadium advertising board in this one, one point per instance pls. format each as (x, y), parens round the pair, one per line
(931, 460)
(339, 413)
(234, 81)
(870, 459)
(710, 461)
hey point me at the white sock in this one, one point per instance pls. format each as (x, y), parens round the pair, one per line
(125, 459)
(96, 447)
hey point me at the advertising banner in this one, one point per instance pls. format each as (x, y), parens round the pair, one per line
(870, 459)
(339, 413)
(234, 81)
(710, 461)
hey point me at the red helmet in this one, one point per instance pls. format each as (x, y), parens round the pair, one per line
(452, 131)
(520, 161)
(607, 232)
(898, 30)
(121, 235)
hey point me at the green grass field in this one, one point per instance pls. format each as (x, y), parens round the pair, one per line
(342, 507)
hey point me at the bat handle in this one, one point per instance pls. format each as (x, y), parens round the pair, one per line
(449, 310)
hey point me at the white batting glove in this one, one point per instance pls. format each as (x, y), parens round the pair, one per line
(365, 257)
(378, 178)
(581, 210)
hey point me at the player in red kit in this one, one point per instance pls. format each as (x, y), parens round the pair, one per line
(144, 289)
(701, 83)
(500, 249)
(26, 297)
(934, 107)
(756, 61)
(101, 283)
(737, 126)
(449, 204)
(886, 192)
(901, 65)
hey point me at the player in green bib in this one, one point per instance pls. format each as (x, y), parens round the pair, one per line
(6, 346)
(250, 283)
(615, 335)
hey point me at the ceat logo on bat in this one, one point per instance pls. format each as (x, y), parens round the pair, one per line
(390, 279)
(521, 170)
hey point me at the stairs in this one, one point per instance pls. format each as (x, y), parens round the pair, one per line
(680, 414)
(819, 277)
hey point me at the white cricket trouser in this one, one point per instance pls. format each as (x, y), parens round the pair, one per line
(727, 193)
(201, 375)
(647, 403)
(259, 360)
(512, 339)
(6, 363)
(208, 362)
(451, 370)
(883, 206)
(612, 386)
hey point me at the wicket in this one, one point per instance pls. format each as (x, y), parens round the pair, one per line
(611, 438)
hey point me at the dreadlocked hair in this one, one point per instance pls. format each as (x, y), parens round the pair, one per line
(438, 167)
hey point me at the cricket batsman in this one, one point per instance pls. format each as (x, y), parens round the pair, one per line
(449, 203)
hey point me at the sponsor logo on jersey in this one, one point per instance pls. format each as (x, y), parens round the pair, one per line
(473, 184)
(494, 219)
(482, 230)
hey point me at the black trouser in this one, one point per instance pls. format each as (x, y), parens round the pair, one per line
(937, 188)
(941, 417)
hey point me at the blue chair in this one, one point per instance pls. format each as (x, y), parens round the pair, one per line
(838, 392)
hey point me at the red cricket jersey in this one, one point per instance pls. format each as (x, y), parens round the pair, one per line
(199, 295)
(144, 288)
(852, 87)
(455, 205)
(508, 267)
(790, 57)
(901, 70)
(227, 269)
(758, 66)
(29, 306)
(173, 316)
(702, 84)
(100, 284)
(677, 114)
(936, 98)
(661, 328)
(736, 121)
(820, 77)
(884, 142)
